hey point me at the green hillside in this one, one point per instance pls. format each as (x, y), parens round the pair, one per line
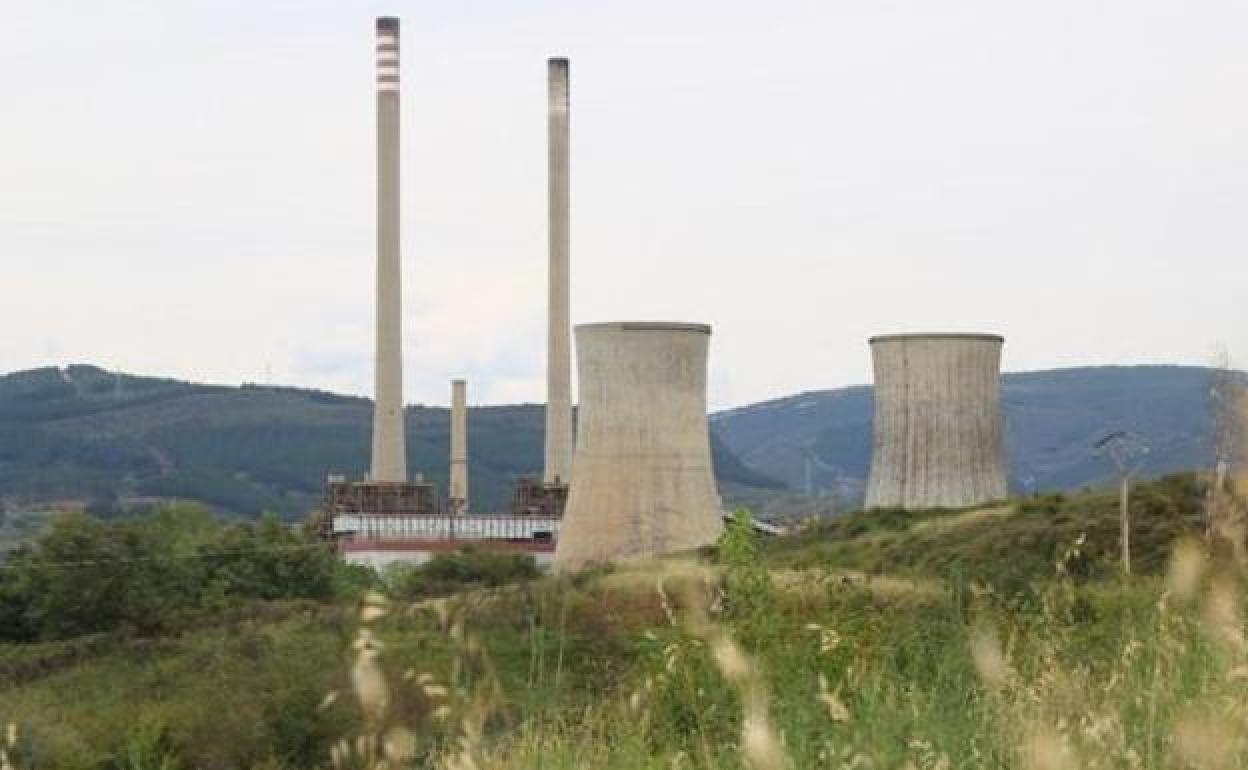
(84, 433)
(996, 638)
(1052, 418)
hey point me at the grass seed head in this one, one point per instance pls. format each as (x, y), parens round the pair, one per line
(990, 661)
(1204, 741)
(732, 662)
(330, 699)
(831, 701)
(634, 702)
(399, 744)
(759, 743)
(1187, 567)
(1047, 750)
(369, 684)
(1222, 617)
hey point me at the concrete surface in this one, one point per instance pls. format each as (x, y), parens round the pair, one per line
(938, 439)
(458, 488)
(642, 481)
(558, 465)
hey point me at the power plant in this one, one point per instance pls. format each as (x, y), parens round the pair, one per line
(386, 491)
(642, 482)
(638, 481)
(385, 518)
(938, 439)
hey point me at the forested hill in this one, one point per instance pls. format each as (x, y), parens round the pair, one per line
(1052, 420)
(82, 433)
(86, 434)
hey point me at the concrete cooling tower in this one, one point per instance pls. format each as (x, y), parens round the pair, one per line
(642, 481)
(938, 436)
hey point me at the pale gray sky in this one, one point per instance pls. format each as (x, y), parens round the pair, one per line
(186, 188)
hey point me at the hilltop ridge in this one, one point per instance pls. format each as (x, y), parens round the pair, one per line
(1052, 418)
(83, 433)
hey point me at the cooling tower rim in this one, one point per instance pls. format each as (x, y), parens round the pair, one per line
(985, 337)
(646, 326)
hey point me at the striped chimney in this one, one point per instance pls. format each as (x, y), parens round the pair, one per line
(389, 450)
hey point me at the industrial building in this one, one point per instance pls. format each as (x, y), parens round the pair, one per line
(386, 491)
(379, 541)
(550, 494)
(639, 480)
(386, 518)
(938, 439)
(642, 481)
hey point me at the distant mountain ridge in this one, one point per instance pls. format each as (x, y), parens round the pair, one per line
(1052, 419)
(88, 434)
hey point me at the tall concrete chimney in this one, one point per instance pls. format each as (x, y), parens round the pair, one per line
(389, 452)
(938, 438)
(644, 484)
(558, 332)
(459, 447)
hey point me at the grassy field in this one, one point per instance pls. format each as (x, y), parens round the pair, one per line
(994, 638)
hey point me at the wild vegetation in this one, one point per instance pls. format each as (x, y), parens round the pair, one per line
(950, 639)
(154, 574)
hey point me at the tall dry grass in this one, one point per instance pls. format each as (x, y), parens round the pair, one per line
(685, 665)
(1036, 690)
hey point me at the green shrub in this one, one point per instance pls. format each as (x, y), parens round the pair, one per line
(147, 746)
(153, 574)
(446, 573)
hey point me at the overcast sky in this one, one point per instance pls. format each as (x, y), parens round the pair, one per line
(186, 188)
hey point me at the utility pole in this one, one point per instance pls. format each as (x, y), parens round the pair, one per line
(1227, 404)
(825, 499)
(810, 474)
(1127, 452)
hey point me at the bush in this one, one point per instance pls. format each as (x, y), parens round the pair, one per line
(447, 573)
(148, 746)
(153, 574)
(747, 581)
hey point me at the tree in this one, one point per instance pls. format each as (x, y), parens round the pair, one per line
(154, 573)
(269, 560)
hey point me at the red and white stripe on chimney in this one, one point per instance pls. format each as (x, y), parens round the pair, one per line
(388, 54)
